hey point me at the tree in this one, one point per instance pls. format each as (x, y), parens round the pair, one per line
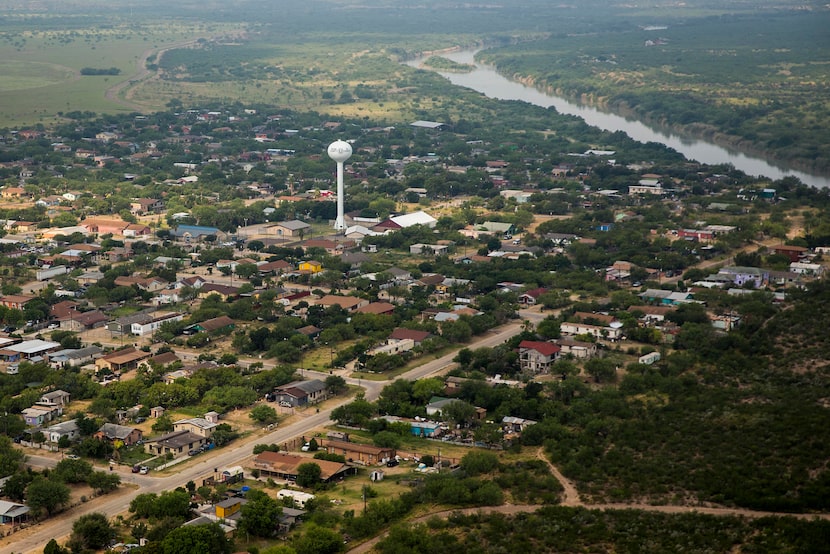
(263, 414)
(52, 547)
(386, 439)
(424, 389)
(308, 474)
(10, 457)
(91, 531)
(260, 516)
(477, 462)
(163, 424)
(318, 540)
(15, 487)
(103, 481)
(459, 412)
(223, 434)
(335, 384)
(43, 494)
(602, 370)
(196, 539)
(72, 471)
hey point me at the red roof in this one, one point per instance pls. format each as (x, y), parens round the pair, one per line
(401, 334)
(535, 293)
(544, 348)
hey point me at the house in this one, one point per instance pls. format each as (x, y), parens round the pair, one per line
(348, 303)
(141, 206)
(222, 291)
(123, 325)
(298, 498)
(221, 323)
(301, 393)
(102, 226)
(803, 268)
(11, 512)
(55, 398)
(83, 321)
(511, 424)
(793, 253)
(286, 466)
(149, 327)
(228, 508)
(537, 356)
(68, 429)
(596, 331)
(275, 268)
(121, 360)
(112, 432)
(286, 229)
(576, 349)
(665, 297)
(417, 337)
(361, 453)
(415, 218)
(196, 425)
(437, 405)
(429, 249)
(310, 266)
(743, 275)
(36, 416)
(16, 301)
(73, 357)
(428, 429)
(177, 443)
(378, 308)
(188, 233)
(531, 297)
(28, 350)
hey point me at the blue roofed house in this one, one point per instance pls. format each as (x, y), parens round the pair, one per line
(189, 233)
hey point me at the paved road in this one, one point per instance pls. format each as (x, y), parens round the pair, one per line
(32, 541)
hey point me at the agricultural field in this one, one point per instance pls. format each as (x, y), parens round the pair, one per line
(42, 69)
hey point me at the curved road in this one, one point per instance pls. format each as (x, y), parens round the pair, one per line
(59, 527)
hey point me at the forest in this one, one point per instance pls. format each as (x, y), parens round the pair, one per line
(754, 80)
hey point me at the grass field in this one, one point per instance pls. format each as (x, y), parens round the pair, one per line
(41, 78)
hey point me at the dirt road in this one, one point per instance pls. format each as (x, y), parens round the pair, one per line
(572, 499)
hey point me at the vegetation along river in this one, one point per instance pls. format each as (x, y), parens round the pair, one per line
(488, 81)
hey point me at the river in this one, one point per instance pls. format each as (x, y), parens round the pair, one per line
(488, 81)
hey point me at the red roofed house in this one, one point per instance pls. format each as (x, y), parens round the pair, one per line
(529, 298)
(416, 336)
(379, 308)
(794, 253)
(537, 356)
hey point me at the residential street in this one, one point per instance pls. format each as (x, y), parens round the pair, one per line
(32, 540)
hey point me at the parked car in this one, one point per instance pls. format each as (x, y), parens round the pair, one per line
(194, 452)
(392, 463)
(136, 468)
(144, 470)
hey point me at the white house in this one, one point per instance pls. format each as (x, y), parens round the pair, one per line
(149, 327)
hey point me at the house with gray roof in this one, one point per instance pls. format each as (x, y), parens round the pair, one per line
(113, 432)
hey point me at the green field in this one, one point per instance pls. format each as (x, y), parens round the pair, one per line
(40, 69)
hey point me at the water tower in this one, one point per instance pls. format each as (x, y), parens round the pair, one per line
(340, 151)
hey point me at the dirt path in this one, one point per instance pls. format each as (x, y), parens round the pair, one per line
(572, 499)
(142, 73)
(571, 495)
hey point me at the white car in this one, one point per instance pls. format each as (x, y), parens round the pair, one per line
(144, 470)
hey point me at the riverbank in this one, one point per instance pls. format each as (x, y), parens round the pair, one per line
(702, 145)
(697, 131)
